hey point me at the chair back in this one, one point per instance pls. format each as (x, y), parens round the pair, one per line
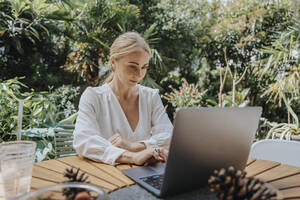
(283, 151)
(64, 140)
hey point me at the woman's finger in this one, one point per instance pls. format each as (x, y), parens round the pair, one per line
(156, 154)
(117, 141)
(150, 161)
(163, 154)
(114, 136)
(113, 140)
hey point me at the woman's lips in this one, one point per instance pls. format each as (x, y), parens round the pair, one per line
(133, 81)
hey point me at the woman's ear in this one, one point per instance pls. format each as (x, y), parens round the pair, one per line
(112, 60)
(112, 63)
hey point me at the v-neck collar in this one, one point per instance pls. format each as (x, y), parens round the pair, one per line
(122, 111)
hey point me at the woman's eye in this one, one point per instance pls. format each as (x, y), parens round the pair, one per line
(132, 66)
(145, 67)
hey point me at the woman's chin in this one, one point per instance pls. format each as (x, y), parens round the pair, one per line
(133, 82)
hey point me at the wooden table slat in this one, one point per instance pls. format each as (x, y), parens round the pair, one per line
(92, 178)
(290, 181)
(43, 177)
(250, 161)
(278, 173)
(260, 166)
(54, 165)
(37, 183)
(112, 170)
(123, 166)
(292, 193)
(46, 174)
(92, 170)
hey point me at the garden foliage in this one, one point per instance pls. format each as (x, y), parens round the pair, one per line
(41, 112)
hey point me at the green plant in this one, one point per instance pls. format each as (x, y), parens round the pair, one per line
(240, 99)
(97, 25)
(284, 130)
(235, 79)
(66, 98)
(44, 138)
(188, 95)
(183, 29)
(41, 112)
(32, 43)
(39, 109)
(273, 130)
(284, 63)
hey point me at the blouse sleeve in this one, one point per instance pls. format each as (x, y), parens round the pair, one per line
(161, 126)
(87, 136)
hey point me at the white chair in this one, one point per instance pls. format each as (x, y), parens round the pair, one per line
(282, 151)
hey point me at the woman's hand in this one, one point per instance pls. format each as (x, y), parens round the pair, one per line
(149, 155)
(138, 158)
(160, 154)
(145, 156)
(118, 141)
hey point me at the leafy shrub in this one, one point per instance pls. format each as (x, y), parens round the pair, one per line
(41, 112)
(32, 43)
(284, 64)
(44, 138)
(188, 95)
(66, 98)
(38, 110)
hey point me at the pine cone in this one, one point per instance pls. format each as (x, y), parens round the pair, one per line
(73, 176)
(232, 184)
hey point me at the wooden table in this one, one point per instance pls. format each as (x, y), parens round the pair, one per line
(110, 178)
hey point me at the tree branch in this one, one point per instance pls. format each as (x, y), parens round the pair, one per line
(242, 75)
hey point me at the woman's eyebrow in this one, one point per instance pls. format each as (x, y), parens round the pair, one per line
(138, 64)
(134, 63)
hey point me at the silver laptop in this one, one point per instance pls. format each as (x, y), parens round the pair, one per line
(203, 139)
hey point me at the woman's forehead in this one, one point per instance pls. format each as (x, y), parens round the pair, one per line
(137, 57)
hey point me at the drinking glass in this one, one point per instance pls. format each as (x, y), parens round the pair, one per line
(56, 192)
(16, 162)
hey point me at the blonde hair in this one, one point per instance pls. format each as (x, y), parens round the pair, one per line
(124, 44)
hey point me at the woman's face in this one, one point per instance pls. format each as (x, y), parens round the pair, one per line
(132, 68)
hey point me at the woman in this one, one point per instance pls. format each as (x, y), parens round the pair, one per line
(122, 121)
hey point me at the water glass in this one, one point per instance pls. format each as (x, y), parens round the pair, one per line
(16, 163)
(56, 192)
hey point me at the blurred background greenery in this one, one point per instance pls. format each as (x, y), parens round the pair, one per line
(205, 53)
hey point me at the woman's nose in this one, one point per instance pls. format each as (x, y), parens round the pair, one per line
(139, 72)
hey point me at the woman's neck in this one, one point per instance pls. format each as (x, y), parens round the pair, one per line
(122, 91)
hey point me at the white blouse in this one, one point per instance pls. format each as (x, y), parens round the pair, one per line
(100, 116)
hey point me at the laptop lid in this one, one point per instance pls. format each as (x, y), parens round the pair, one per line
(205, 139)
